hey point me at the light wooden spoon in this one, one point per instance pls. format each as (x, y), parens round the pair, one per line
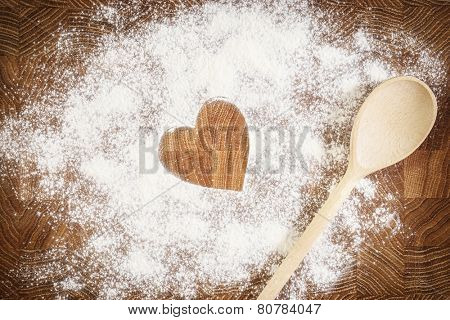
(393, 121)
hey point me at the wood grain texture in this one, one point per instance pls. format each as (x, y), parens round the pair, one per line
(213, 154)
(410, 265)
(427, 174)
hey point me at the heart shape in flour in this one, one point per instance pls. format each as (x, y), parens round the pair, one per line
(212, 154)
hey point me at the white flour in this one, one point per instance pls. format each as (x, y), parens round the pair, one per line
(154, 234)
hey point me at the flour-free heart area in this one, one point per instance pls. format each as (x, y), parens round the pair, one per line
(212, 154)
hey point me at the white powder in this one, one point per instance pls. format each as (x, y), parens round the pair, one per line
(377, 71)
(330, 57)
(155, 234)
(367, 188)
(312, 148)
(70, 284)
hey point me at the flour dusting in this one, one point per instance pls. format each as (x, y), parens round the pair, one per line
(92, 148)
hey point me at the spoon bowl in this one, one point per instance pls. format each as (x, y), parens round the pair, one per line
(393, 122)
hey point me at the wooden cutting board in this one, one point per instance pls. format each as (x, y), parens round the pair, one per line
(407, 267)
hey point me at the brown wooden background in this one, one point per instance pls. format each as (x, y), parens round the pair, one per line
(408, 267)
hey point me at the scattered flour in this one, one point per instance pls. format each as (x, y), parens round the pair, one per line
(144, 229)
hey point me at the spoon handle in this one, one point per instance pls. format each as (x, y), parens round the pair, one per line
(308, 237)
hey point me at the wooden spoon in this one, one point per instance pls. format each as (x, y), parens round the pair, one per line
(393, 121)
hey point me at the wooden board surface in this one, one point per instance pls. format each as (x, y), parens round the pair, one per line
(212, 154)
(416, 266)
